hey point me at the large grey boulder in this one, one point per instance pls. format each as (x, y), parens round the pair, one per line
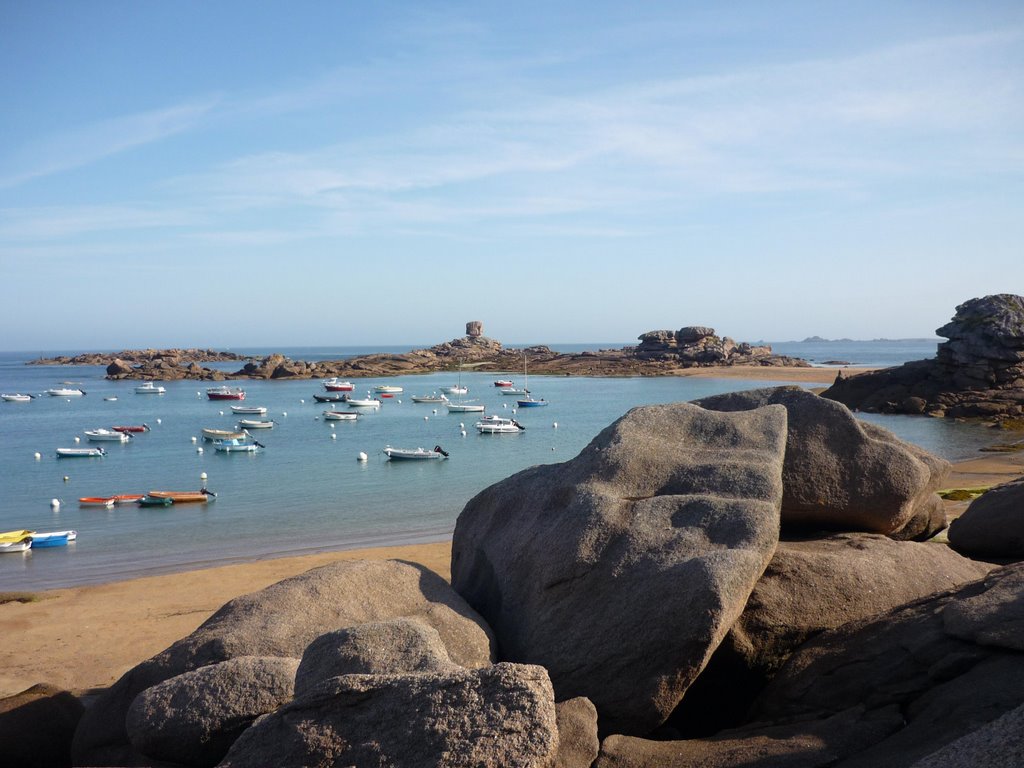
(993, 525)
(194, 718)
(950, 663)
(282, 620)
(577, 733)
(844, 474)
(996, 745)
(811, 586)
(381, 647)
(502, 715)
(621, 570)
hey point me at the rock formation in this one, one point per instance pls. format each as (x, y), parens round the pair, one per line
(979, 372)
(621, 570)
(474, 329)
(37, 725)
(700, 346)
(993, 525)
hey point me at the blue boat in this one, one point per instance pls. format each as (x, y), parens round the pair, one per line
(53, 539)
(529, 402)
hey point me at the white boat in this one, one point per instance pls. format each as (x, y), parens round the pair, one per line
(149, 388)
(222, 434)
(459, 390)
(366, 402)
(107, 436)
(225, 393)
(433, 398)
(529, 401)
(388, 389)
(415, 453)
(333, 385)
(16, 541)
(515, 391)
(255, 424)
(493, 425)
(340, 416)
(237, 446)
(65, 392)
(66, 453)
(259, 410)
(465, 407)
(53, 539)
(16, 398)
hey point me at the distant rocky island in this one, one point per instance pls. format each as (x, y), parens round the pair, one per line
(659, 353)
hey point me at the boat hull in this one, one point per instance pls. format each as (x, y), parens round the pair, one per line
(75, 453)
(340, 416)
(457, 408)
(184, 497)
(222, 434)
(408, 454)
(132, 428)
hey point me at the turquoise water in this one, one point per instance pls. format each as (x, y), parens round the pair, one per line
(306, 491)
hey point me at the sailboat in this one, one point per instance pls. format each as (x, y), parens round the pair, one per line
(462, 406)
(529, 401)
(458, 389)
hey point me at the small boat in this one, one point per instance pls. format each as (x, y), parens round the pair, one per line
(340, 416)
(434, 398)
(237, 446)
(131, 429)
(185, 497)
(415, 453)
(222, 434)
(256, 424)
(386, 394)
(529, 402)
(464, 407)
(330, 398)
(503, 383)
(16, 398)
(515, 391)
(368, 402)
(155, 501)
(107, 435)
(53, 539)
(65, 392)
(149, 388)
(456, 390)
(225, 393)
(126, 498)
(333, 385)
(389, 389)
(495, 425)
(111, 399)
(257, 409)
(97, 501)
(15, 541)
(67, 453)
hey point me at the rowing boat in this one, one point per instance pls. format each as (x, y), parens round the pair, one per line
(185, 497)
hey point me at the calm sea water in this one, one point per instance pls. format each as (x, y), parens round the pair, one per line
(306, 491)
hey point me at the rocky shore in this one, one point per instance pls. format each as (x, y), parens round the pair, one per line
(659, 353)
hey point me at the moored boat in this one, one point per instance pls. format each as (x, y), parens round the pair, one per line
(494, 425)
(65, 392)
(415, 454)
(16, 398)
(432, 398)
(529, 402)
(155, 501)
(464, 407)
(455, 390)
(367, 402)
(340, 416)
(256, 423)
(185, 497)
(150, 388)
(69, 453)
(389, 389)
(225, 393)
(222, 434)
(333, 385)
(126, 498)
(102, 435)
(503, 383)
(15, 541)
(259, 410)
(515, 391)
(131, 428)
(332, 397)
(237, 446)
(53, 539)
(97, 501)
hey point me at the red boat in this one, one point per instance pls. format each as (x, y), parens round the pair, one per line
(503, 383)
(130, 428)
(333, 385)
(225, 393)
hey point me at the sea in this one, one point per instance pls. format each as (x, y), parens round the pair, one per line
(307, 491)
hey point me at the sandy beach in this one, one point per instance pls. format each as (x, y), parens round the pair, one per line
(87, 637)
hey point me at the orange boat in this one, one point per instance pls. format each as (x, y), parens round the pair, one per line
(126, 498)
(97, 501)
(185, 497)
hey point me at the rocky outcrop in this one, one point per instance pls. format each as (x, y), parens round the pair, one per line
(993, 525)
(979, 372)
(282, 620)
(194, 718)
(996, 745)
(699, 346)
(502, 715)
(577, 733)
(621, 570)
(36, 727)
(844, 474)
(474, 329)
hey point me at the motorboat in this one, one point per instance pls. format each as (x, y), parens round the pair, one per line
(515, 391)
(65, 392)
(332, 397)
(68, 453)
(149, 388)
(97, 501)
(222, 434)
(503, 383)
(260, 410)
(15, 541)
(16, 398)
(155, 501)
(102, 435)
(256, 424)
(464, 407)
(225, 393)
(340, 416)
(53, 539)
(432, 398)
(456, 390)
(237, 446)
(333, 385)
(132, 429)
(389, 389)
(494, 425)
(415, 454)
(367, 402)
(126, 498)
(529, 402)
(185, 497)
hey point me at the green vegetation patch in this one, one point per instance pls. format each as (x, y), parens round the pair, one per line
(962, 494)
(18, 597)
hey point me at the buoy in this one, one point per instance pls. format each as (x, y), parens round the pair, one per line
(159, 421)
(78, 439)
(552, 448)
(334, 435)
(284, 413)
(399, 401)
(463, 433)
(202, 476)
(332, 425)
(199, 449)
(302, 401)
(504, 405)
(555, 425)
(66, 478)
(426, 418)
(462, 425)
(361, 456)
(193, 439)
(54, 504)
(222, 413)
(38, 455)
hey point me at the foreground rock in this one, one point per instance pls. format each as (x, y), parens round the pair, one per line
(993, 525)
(282, 620)
(502, 716)
(194, 718)
(36, 727)
(949, 664)
(621, 570)
(577, 733)
(978, 372)
(844, 474)
(996, 745)
(811, 586)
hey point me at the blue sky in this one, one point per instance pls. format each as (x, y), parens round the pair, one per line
(329, 173)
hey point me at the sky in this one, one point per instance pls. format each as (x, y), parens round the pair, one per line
(234, 174)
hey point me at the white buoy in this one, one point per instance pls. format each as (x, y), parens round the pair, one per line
(38, 455)
(334, 435)
(284, 413)
(78, 439)
(159, 421)
(426, 418)
(463, 433)
(504, 405)
(199, 449)
(555, 425)
(66, 478)
(332, 425)
(361, 456)
(302, 401)
(399, 401)
(202, 476)
(222, 413)
(199, 394)
(54, 504)
(193, 439)
(552, 448)
(462, 425)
